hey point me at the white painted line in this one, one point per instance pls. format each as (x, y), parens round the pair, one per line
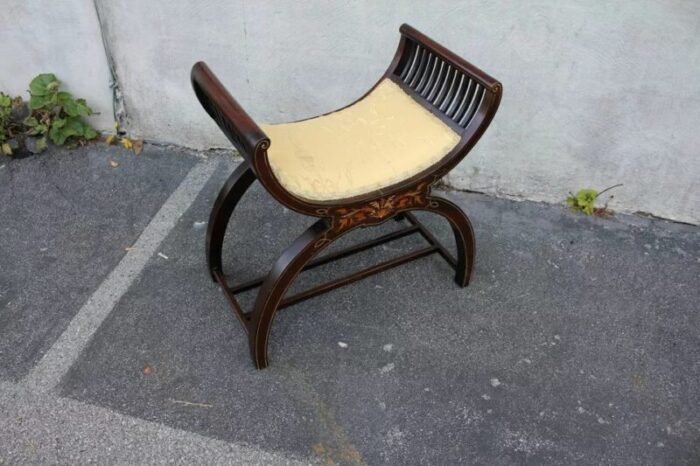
(46, 429)
(58, 360)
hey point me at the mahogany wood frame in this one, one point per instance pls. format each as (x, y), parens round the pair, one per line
(457, 92)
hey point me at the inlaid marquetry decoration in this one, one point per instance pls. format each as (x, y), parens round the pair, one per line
(379, 210)
(346, 218)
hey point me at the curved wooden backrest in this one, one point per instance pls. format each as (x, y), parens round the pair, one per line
(449, 86)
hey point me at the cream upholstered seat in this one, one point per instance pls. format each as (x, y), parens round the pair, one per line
(385, 138)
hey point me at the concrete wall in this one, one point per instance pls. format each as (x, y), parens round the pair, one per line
(596, 92)
(60, 37)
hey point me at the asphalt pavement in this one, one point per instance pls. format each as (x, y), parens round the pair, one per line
(577, 342)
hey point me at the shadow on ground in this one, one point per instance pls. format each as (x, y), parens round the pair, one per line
(577, 342)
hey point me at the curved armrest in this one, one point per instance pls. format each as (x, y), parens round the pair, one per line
(238, 126)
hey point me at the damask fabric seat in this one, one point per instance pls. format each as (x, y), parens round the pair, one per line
(383, 139)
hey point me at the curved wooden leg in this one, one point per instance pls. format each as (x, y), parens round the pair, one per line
(282, 274)
(226, 202)
(464, 237)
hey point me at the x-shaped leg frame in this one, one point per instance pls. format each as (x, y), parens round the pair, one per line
(303, 254)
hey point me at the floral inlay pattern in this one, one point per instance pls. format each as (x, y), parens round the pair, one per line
(345, 218)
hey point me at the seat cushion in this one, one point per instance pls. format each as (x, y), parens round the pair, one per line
(383, 139)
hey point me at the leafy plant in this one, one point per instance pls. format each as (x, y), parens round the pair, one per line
(56, 114)
(584, 201)
(10, 128)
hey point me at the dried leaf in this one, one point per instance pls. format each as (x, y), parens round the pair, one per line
(148, 370)
(41, 144)
(127, 143)
(113, 164)
(603, 212)
(138, 146)
(110, 139)
(6, 149)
